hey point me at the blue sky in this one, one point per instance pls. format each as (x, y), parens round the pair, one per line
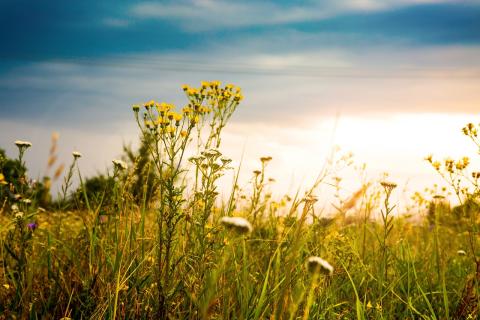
(76, 67)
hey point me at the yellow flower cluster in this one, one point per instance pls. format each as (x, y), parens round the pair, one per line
(162, 118)
(214, 90)
(470, 130)
(449, 164)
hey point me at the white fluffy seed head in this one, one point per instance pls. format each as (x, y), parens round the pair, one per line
(237, 224)
(319, 265)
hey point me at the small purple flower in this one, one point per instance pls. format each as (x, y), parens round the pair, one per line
(32, 226)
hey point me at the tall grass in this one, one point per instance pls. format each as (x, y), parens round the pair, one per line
(174, 255)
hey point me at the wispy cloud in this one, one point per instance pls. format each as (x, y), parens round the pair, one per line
(203, 15)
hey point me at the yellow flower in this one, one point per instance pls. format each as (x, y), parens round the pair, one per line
(149, 104)
(192, 91)
(187, 110)
(148, 124)
(369, 305)
(164, 107)
(183, 133)
(2, 179)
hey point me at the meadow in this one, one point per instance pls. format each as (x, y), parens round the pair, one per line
(153, 239)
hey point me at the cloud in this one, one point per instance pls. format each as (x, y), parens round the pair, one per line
(283, 85)
(209, 15)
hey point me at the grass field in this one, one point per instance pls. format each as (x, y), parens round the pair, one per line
(151, 240)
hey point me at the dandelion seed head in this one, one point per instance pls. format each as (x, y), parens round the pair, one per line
(238, 224)
(319, 265)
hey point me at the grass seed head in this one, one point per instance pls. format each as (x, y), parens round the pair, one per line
(119, 164)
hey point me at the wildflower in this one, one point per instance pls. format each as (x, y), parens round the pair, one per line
(192, 91)
(2, 179)
(149, 104)
(461, 253)
(102, 218)
(257, 172)
(369, 305)
(211, 153)
(19, 215)
(317, 264)
(119, 164)
(76, 154)
(238, 224)
(475, 175)
(14, 208)
(26, 201)
(388, 185)
(186, 110)
(32, 226)
(225, 161)
(177, 117)
(238, 97)
(23, 144)
(6, 286)
(265, 159)
(195, 120)
(183, 133)
(136, 108)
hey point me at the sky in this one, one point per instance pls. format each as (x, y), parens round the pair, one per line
(389, 80)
